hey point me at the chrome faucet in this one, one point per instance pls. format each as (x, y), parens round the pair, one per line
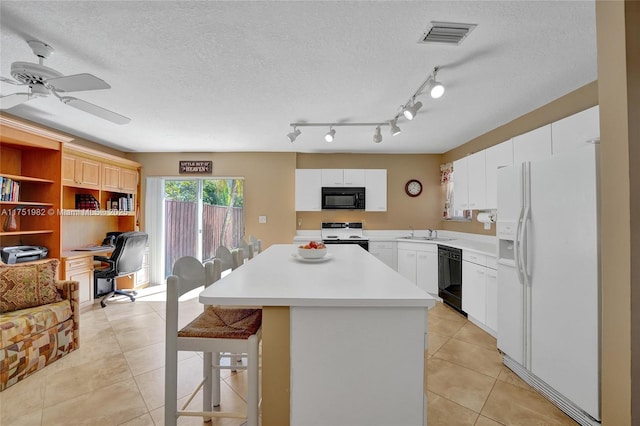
(432, 233)
(411, 227)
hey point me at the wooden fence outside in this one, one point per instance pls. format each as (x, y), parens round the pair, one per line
(180, 230)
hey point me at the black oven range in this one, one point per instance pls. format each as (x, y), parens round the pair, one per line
(344, 233)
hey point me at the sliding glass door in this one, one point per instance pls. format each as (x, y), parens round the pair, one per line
(201, 215)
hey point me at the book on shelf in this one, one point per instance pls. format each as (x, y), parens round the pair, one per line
(9, 189)
(123, 202)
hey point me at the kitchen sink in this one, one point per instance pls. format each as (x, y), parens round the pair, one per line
(416, 238)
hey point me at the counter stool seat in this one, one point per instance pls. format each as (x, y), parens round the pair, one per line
(217, 330)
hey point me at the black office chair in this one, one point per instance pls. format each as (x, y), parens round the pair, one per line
(125, 259)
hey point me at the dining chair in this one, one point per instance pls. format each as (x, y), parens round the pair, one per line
(236, 331)
(256, 243)
(230, 259)
(247, 250)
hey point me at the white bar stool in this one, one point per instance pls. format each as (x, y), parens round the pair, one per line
(216, 330)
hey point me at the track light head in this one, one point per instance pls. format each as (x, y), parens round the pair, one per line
(411, 111)
(436, 89)
(395, 130)
(377, 135)
(330, 135)
(293, 135)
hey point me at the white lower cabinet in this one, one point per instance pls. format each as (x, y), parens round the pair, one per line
(492, 299)
(480, 290)
(385, 251)
(418, 262)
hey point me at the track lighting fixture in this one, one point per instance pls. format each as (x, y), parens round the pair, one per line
(330, 134)
(395, 130)
(377, 135)
(408, 111)
(411, 111)
(436, 89)
(293, 135)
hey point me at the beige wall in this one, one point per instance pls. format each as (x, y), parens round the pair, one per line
(421, 212)
(269, 182)
(618, 29)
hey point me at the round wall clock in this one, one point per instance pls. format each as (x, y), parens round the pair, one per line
(413, 188)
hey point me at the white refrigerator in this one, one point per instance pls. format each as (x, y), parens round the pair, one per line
(549, 278)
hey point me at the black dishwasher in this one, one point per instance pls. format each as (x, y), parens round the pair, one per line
(450, 276)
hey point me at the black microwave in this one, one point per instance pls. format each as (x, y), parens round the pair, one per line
(343, 198)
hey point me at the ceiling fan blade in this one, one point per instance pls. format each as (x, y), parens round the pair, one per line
(77, 82)
(10, 101)
(95, 110)
(10, 81)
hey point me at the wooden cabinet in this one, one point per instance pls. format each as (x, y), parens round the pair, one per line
(418, 262)
(375, 182)
(31, 159)
(574, 131)
(343, 177)
(308, 190)
(119, 179)
(80, 269)
(80, 171)
(385, 251)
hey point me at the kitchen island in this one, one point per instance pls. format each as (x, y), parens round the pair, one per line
(343, 338)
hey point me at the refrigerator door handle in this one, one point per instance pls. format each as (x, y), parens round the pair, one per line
(523, 242)
(516, 243)
(522, 237)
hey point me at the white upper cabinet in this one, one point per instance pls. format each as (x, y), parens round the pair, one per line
(533, 145)
(476, 181)
(375, 183)
(497, 156)
(343, 177)
(308, 190)
(460, 185)
(575, 131)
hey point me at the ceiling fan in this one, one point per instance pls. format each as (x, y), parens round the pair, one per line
(44, 81)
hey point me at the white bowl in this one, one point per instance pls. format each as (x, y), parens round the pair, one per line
(312, 253)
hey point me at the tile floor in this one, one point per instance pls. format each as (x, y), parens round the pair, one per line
(117, 375)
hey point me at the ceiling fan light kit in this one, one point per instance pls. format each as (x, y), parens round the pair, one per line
(408, 110)
(44, 81)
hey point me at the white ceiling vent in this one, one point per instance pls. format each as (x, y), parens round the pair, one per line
(446, 32)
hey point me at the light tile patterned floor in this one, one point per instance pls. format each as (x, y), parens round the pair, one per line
(117, 375)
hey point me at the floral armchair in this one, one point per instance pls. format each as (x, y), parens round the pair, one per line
(39, 319)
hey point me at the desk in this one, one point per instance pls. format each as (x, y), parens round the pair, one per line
(78, 266)
(333, 332)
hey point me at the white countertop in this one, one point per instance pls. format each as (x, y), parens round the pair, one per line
(351, 277)
(482, 244)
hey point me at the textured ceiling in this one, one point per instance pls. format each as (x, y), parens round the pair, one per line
(231, 76)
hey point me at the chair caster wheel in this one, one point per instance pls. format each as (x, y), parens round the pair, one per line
(102, 304)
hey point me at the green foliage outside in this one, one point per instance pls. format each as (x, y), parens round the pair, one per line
(215, 192)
